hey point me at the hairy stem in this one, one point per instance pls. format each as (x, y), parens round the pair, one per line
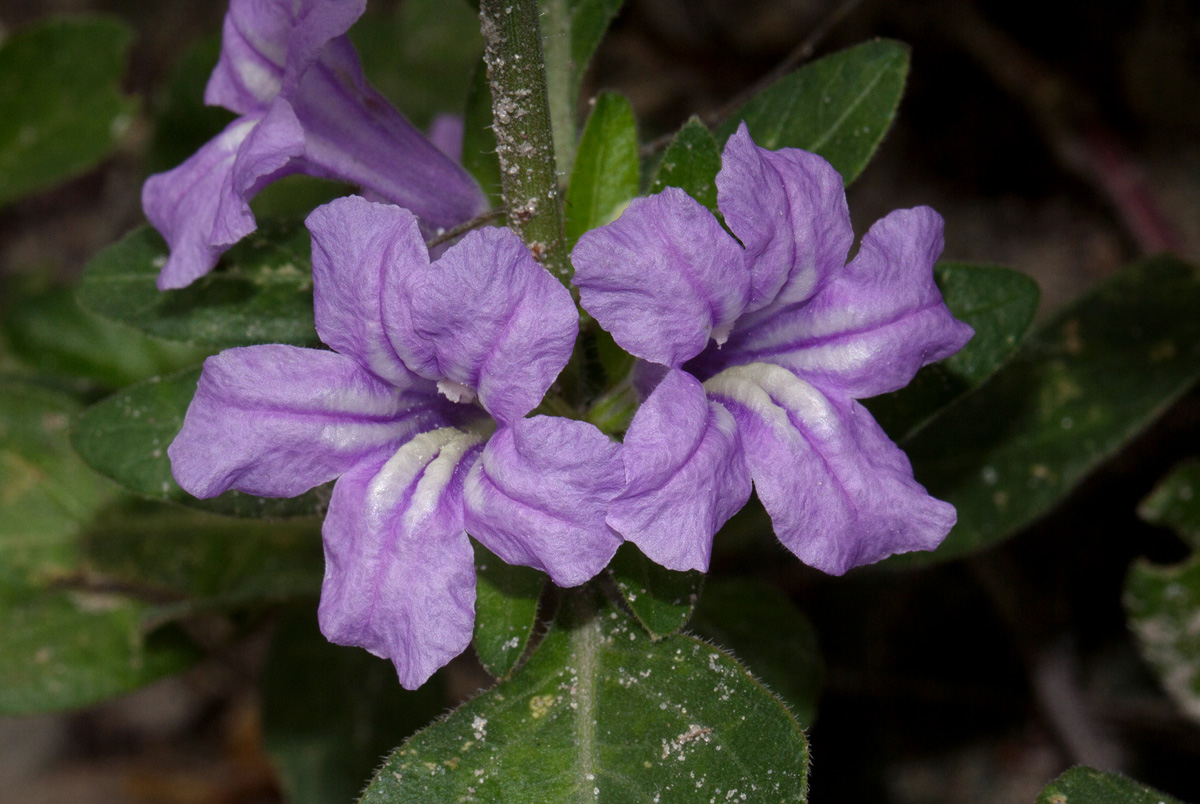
(521, 119)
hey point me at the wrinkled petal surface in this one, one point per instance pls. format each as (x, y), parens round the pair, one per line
(202, 207)
(497, 323)
(277, 420)
(399, 569)
(839, 492)
(264, 40)
(664, 278)
(685, 475)
(363, 254)
(871, 327)
(789, 210)
(539, 493)
(182, 205)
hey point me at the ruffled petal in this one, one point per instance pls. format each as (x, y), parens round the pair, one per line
(267, 44)
(498, 324)
(664, 278)
(539, 493)
(399, 569)
(277, 420)
(685, 475)
(202, 207)
(182, 204)
(870, 329)
(788, 207)
(363, 254)
(268, 153)
(839, 492)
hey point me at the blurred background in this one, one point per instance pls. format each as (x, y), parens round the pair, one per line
(1061, 144)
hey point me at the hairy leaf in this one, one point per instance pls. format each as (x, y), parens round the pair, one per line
(662, 600)
(1080, 387)
(840, 106)
(1088, 786)
(126, 436)
(602, 713)
(691, 162)
(605, 177)
(999, 303)
(261, 293)
(506, 602)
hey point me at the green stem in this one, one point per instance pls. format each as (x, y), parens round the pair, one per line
(512, 40)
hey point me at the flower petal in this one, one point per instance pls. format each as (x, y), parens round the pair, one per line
(788, 207)
(182, 205)
(446, 132)
(264, 39)
(684, 475)
(363, 254)
(539, 493)
(202, 206)
(839, 492)
(399, 569)
(353, 134)
(663, 278)
(872, 326)
(497, 322)
(277, 420)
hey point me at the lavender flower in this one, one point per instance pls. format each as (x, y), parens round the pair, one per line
(797, 335)
(288, 69)
(419, 413)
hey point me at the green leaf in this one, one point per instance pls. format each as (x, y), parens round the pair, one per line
(999, 303)
(47, 494)
(506, 603)
(1087, 786)
(126, 437)
(691, 162)
(770, 635)
(479, 140)
(660, 599)
(602, 713)
(840, 106)
(1081, 386)
(1175, 502)
(329, 712)
(1163, 607)
(61, 109)
(49, 332)
(261, 294)
(420, 55)
(605, 177)
(61, 650)
(209, 563)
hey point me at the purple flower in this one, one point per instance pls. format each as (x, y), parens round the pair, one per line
(762, 348)
(419, 413)
(288, 69)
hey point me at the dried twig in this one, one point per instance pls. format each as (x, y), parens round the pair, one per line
(463, 228)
